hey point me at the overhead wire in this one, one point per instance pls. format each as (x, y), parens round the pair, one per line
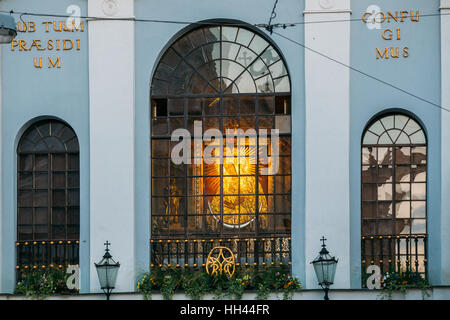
(269, 27)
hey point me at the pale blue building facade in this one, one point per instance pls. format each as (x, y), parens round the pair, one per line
(343, 74)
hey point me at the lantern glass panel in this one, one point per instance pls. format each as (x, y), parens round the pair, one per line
(325, 269)
(107, 275)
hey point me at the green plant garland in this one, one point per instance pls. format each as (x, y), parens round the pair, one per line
(39, 284)
(196, 283)
(403, 281)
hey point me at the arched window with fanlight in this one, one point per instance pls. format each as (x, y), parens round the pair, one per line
(223, 77)
(48, 196)
(394, 195)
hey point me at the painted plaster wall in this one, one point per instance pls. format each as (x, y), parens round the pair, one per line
(419, 74)
(29, 93)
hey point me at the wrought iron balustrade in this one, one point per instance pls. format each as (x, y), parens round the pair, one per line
(399, 253)
(46, 254)
(194, 252)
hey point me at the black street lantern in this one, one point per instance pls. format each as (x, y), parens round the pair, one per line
(107, 270)
(325, 268)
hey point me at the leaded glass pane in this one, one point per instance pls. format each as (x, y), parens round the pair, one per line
(229, 34)
(258, 44)
(377, 128)
(418, 209)
(245, 57)
(400, 121)
(230, 50)
(270, 56)
(212, 34)
(385, 139)
(278, 69)
(388, 122)
(170, 59)
(245, 83)
(258, 69)
(231, 69)
(418, 226)
(197, 38)
(394, 134)
(411, 127)
(418, 138)
(370, 138)
(244, 37)
(196, 58)
(403, 139)
(264, 85)
(282, 84)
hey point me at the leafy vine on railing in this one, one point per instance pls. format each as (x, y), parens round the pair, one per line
(403, 281)
(196, 283)
(39, 284)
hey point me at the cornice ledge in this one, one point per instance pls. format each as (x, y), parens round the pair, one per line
(445, 5)
(108, 18)
(327, 11)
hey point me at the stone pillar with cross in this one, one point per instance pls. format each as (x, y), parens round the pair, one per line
(112, 176)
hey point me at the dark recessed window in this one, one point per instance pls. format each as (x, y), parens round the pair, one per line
(48, 196)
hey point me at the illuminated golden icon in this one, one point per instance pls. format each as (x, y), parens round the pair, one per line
(239, 171)
(220, 261)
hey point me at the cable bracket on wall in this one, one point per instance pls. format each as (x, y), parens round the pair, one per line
(270, 28)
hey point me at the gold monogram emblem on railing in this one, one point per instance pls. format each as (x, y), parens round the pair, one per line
(220, 260)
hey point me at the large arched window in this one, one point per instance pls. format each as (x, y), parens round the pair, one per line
(394, 195)
(225, 78)
(48, 196)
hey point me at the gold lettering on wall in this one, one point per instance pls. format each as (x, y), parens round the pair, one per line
(59, 28)
(52, 64)
(382, 55)
(38, 62)
(402, 16)
(387, 34)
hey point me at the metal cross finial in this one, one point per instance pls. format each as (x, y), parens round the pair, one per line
(107, 244)
(323, 241)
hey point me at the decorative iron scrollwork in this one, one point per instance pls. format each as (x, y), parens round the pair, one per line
(221, 260)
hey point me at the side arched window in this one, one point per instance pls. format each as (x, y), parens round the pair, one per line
(394, 195)
(48, 196)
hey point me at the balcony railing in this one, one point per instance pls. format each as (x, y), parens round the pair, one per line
(397, 253)
(194, 253)
(46, 254)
